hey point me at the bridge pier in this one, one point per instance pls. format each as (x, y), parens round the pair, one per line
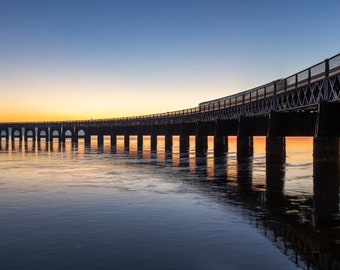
(140, 142)
(153, 142)
(201, 144)
(220, 141)
(113, 141)
(74, 137)
(245, 146)
(326, 140)
(126, 142)
(201, 141)
(168, 142)
(275, 150)
(184, 139)
(100, 140)
(87, 137)
(245, 142)
(184, 143)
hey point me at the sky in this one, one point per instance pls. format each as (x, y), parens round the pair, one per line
(94, 59)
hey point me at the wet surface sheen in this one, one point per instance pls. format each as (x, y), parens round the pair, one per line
(86, 208)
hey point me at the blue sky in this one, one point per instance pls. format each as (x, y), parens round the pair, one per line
(97, 59)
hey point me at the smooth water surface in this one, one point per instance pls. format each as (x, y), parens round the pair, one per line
(71, 207)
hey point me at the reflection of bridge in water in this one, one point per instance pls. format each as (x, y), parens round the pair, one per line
(303, 226)
(304, 104)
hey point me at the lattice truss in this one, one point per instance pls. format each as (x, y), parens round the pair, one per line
(306, 96)
(334, 88)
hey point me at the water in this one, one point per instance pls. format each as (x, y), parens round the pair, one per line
(67, 207)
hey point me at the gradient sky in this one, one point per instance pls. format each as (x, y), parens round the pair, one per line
(62, 60)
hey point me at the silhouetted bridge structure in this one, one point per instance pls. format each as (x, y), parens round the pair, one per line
(304, 104)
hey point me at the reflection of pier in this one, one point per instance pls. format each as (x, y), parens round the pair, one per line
(305, 231)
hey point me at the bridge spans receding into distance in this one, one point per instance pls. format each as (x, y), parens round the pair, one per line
(304, 104)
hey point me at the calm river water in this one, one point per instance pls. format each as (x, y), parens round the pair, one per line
(73, 207)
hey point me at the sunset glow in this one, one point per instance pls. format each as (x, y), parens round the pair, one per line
(69, 60)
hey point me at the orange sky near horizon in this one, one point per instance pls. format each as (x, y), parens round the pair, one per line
(82, 60)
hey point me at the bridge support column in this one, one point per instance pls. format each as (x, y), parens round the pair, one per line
(126, 142)
(220, 145)
(245, 146)
(326, 140)
(74, 137)
(326, 148)
(275, 150)
(87, 138)
(62, 136)
(220, 141)
(50, 135)
(201, 141)
(113, 141)
(201, 144)
(153, 142)
(140, 142)
(168, 142)
(184, 140)
(100, 140)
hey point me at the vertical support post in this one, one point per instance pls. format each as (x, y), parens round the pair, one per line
(126, 142)
(140, 142)
(87, 138)
(168, 142)
(245, 144)
(25, 136)
(61, 136)
(153, 141)
(12, 138)
(220, 145)
(7, 138)
(326, 82)
(184, 140)
(100, 140)
(74, 136)
(326, 148)
(201, 142)
(51, 135)
(184, 143)
(275, 150)
(274, 97)
(39, 138)
(220, 141)
(113, 141)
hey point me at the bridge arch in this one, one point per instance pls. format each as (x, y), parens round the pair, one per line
(68, 133)
(55, 133)
(3, 133)
(29, 133)
(16, 133)
(43, 133)
(81, 133)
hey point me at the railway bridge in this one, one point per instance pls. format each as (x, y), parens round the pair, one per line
(306, 103)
